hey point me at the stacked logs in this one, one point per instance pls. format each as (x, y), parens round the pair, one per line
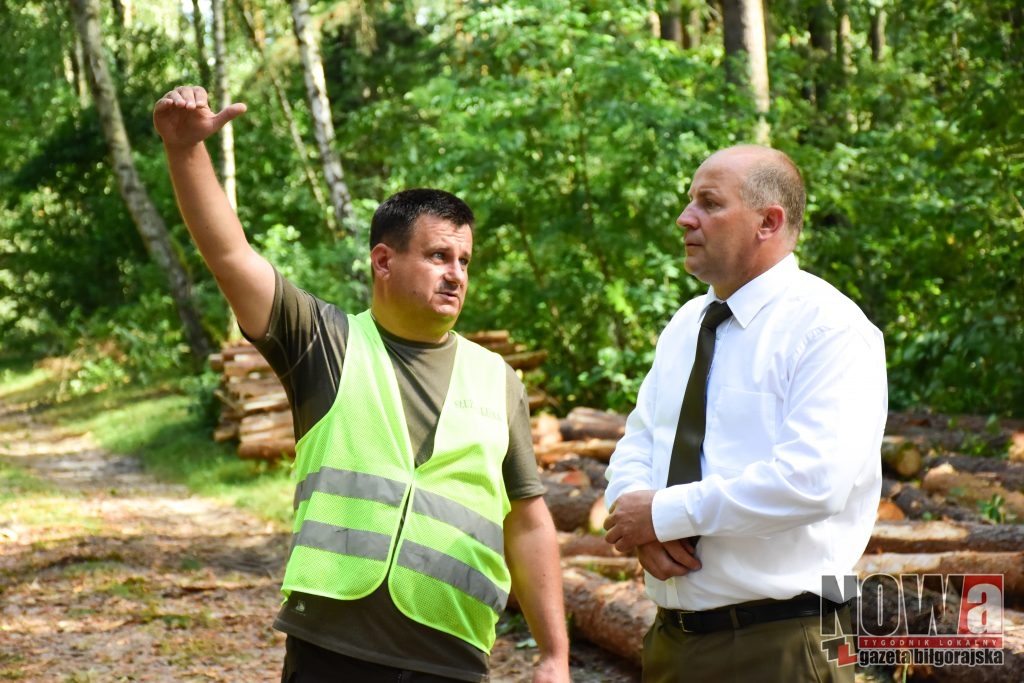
(605, 594)
(255, 410)
(254, 407)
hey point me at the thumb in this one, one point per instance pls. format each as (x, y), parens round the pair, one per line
(228, 114)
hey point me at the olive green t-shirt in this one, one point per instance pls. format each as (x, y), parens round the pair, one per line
(305, 345)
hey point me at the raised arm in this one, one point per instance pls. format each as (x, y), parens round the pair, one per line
(184, 120)
(531, 549)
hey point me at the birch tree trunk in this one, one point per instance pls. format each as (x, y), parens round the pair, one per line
(876, 36)
(747, 56)
(227, 136)
(320, 107)
(227, 133)
(150, 225)
(257, 39)
(199, 27)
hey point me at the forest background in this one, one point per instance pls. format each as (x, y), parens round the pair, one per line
(571, 127)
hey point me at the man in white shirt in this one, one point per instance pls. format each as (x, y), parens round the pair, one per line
(790, 473)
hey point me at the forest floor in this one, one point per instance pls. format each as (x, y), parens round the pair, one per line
(110, 575)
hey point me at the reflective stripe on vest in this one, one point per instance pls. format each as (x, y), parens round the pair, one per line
(365, 512)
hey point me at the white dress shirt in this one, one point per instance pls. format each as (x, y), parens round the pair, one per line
(796, 407)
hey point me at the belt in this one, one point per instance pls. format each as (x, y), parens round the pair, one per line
(748, 614)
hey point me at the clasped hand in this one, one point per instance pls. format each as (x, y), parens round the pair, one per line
(630, 527)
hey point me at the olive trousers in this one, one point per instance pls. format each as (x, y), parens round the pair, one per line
(784, 651)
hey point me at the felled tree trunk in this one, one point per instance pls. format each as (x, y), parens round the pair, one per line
(613, 615)
(971, 488)
(572, 543)
(937, 537)
(916, 503)
(545, 430)
(615, 568)
(901, 456)
(1012, 668)
(1009, 473)
(570, 505)
(589, 423)
(600, 449)
(1009, 564)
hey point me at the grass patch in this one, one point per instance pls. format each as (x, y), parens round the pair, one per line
(160, 426)
(21, 380)
(58, 510)
(15, 482)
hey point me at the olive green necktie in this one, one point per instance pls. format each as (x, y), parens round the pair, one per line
(685, 464)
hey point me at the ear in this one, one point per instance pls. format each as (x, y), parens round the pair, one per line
(773, 222)
(380, 260)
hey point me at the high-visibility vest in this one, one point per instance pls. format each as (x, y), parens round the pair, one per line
(364, 512)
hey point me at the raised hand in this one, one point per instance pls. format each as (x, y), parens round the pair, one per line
(183, 117)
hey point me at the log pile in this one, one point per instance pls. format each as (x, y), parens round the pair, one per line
(929, 522)
(946, 512)
(254, 406)
(255, 410)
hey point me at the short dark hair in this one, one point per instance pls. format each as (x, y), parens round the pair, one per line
(394, 219)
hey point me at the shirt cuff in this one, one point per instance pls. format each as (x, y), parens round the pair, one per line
(670, 515)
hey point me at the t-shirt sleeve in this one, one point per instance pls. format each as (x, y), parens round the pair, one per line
(305, 346)
(292, 326)
(522, 480)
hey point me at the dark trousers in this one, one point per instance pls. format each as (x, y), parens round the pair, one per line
(308, 663)
(785, 651)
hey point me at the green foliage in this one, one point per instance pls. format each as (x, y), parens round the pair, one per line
(915, 205)
(993, 509)
(570, 141)
(574, 141)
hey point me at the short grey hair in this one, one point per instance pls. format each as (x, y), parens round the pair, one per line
(774, 179)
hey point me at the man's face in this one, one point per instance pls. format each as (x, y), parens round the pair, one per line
(719, 230)
(428, 281)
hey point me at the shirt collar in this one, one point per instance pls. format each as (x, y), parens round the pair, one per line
(756, 294)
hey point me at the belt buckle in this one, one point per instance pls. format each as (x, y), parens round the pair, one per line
(680, 617)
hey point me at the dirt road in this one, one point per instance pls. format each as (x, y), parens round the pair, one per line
(109, 575)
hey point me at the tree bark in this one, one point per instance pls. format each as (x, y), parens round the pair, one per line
(570, 505)
(672, 23)
(256, 37)
(614, 615)
(601, 449)
(876, 35)
(227, 136)
(320, 108)
(150, 225)
(77, 76)
(820, 26)
(972, 488)
(747, 56)
(615, 568)
(1009, 564)
(1007, 472)
(693, 29)
(843, 58)
(901, 456)
(1012, 668)
(590, 423)
(938, 537)
(581, 542)
(199, 27)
